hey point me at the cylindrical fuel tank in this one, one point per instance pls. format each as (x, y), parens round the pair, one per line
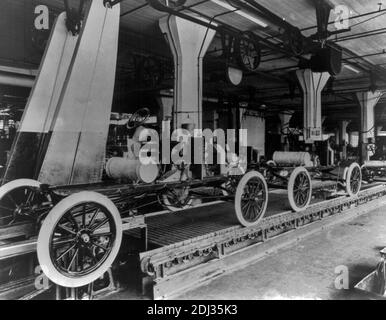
(375, 164)
(292, 159)
(134, 170)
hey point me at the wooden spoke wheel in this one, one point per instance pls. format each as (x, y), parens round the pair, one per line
(353, 180)
(251, 199)
(21, 200)
(294, 40)
(248, 52)
(176, 199)
(299, 189)
(162, 5)
(79, 239)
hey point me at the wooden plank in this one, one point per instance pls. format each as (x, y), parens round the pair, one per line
(33, 134)
(77, 148)
(17, 249)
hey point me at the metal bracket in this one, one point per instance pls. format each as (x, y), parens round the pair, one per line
(111, 3)
(74, 17)
(165, 5)
(323, 10)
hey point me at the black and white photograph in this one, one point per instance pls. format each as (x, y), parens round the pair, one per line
(192, 155)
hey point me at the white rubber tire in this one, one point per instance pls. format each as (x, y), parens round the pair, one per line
(345, 173)
(43, 243)
(239, 192)
(350, 170)
(290, 189)
(10, 186)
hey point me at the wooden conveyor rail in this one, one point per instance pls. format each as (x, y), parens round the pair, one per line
(168, 260)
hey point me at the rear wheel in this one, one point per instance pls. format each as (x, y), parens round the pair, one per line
(176, 199)
(353, 179)
(79, 239)
(251, 199)
(21, 200)
(299, 189)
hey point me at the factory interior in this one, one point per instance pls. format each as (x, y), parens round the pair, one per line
(192, 150)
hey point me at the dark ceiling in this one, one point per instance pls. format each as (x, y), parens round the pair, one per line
(363, 52)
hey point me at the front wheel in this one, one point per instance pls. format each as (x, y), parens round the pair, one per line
(251, 199)
(299, 189)
(79, 239)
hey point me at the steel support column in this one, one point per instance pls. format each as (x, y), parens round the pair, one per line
(312, 84)
(367, 101)
(188, 42)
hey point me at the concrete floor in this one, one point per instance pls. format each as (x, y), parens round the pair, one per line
(307, 270)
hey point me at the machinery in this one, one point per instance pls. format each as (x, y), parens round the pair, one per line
(63, 198)
(302, 176)
(374, 171)
(375, 283)
(79, 227)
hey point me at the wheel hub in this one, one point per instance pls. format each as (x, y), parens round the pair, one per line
(24, 210)
(84, 237)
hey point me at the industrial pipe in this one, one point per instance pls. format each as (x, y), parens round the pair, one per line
(16, 80)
